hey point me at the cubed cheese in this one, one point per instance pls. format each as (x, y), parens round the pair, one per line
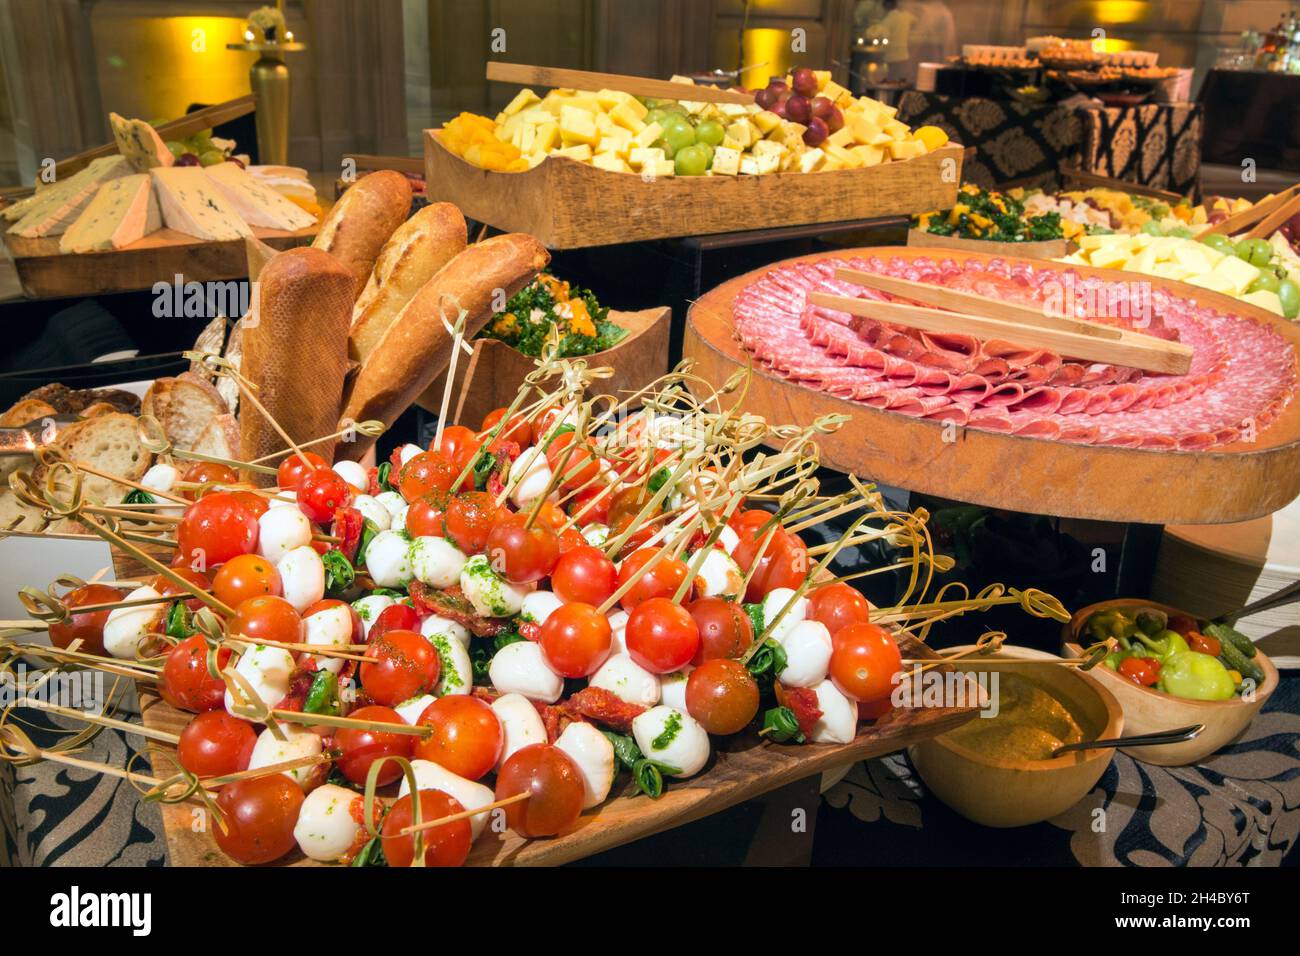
(578, 126)
(766, 121)
(1236, 272)
(523, 99)
(812, 160)
(649, 135)
(580, 152)
(726, 162)
(609, 161)
(742, 132)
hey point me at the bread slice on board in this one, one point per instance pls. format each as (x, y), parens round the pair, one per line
(359, 224)
(220, 438)
(413, 253)
(193, 403)
(108, 443)
(295, 351)
(417, 346)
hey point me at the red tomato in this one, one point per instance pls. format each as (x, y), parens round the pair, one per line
(626, 505)
(661, 636)
(661, 581)
(246, 576)
(722, 695)
(360, 748)
(445, 845)
(88, 626)
(215, 529)
(214, 744)
(590, 506)
(838, 605)
(519, 430)
(267, 620)
(783, 562)
(405, 665)
(470, 518)
(725, 629)
(575, 640)
(169, 588)
(322, 492)
(425, 474)
(578, 468)
(584, 575)
(425, 517)
(1143, 671)
(864, 660)
(571, 539)
(186, 683)
(551, 515)
(395, 617)
(293, 468)
(459, 445)
(251, 500)
(208, 473)
(467, 737)
(1203, 644)
(259, 815)
(554, 781)
(520, 553)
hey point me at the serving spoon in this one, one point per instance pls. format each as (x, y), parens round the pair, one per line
(1142, 740)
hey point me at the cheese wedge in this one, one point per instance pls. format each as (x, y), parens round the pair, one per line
(123, 211)
(192, 204)
(58, 206)
(140, 144)
(256, 204)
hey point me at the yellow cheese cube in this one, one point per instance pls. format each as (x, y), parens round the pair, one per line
(732, 110)
(610, 162)
(581, 152)
(644, 156)
(767, 163)
(906, 148)
(618, 145)
(726, 162)
(843, 156)
(823, 77)
(1111, 256)
(792, 135)
(842, 137)
(836, 93)
(870, 155)
(604, 124)
(1264, 299)
(812, 160)
(649, 135)
(730, 143)
(863, 130)
(768, 147)
(523, 98)
(665, 167)
(1236, 272)
(626, 117)
(742, 132)
(608, 99)
(766, 121)
(577, 126)
(546, 137)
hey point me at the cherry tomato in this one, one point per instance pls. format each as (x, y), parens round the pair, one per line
(747, 522)
(570, 539)
(551, 515)
(169, 588)
(395, 617)
(661, 636)
(661, 581)
(459, 445)
(445, 845)
(360, 748)
(838, 605)
(186, 683)
(725, 629)
(722, 695)
(405, 665)
(467, 737)
(255, 503)
(575, 640)
(322, 492)
(864, 660)
(590, 506)
(635, 541)
(208, 473)
(1181, 624)
(1143, 671)
(578, 468)
(214, 744)
(259, 816)
(88, 626)
(470, 518)
(1203, 644)
(626, 505)
(584, 575)
(267, 620)
(425, 474)
(783, 562)
(293, 468)
(215, 529)
(246, 576)
(522, 554)
(519, 430)
(554, 781)
(426, 516)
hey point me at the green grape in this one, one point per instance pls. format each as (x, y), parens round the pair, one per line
(1288, 294)
(691, 161)
(1257, 252)
(1182, 232)
(177, 149)
(655, 115)
(679, 137)
(1152, 228)
(212, 157)
(667, 147)
(1219, 242)
(1267, 282)
(710, 132)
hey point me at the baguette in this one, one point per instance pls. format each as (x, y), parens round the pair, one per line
(416, 348)
(420, 247)
(362, 220)
(295, 351)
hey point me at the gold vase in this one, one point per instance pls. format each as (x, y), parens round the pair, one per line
(269, 80)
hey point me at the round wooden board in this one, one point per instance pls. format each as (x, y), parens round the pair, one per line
(1230, 483)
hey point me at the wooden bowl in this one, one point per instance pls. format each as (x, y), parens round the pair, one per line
(1148, 711)
(1016, 793)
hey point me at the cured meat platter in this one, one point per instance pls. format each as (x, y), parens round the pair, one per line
(992, 424)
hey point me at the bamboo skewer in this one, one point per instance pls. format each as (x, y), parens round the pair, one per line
(466, 814)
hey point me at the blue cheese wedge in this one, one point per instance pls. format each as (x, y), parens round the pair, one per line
(58, 206)
(192, 204)
(123, 211)
(140, 144)
(257, 205)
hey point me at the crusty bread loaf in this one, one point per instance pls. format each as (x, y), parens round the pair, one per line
(359, 224)
(417, 347)
(413, 253)
(295, 350)
(193, 404)
(26, 411)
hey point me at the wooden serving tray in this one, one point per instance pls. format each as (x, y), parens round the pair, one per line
(743, 768)
(570, 205)
(1044, 249)
(1230, 483)
(47, 273)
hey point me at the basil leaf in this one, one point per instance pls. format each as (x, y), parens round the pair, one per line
(625, 749)
(483, 467)
(372, 854)
(323, 697)
(339, 573)
(178, 621)
(658, 480)
(368, 531)
(506, 638)
(561, 430)
(755, 612)
(390, 592)
(769, 660)
(138, 497)
(382, 474)
(649, 776)
(780, 725)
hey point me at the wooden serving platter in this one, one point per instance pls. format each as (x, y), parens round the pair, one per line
(47, 273)
(743, 768)
(570, 205)
(1230, 483)
(1044, 249)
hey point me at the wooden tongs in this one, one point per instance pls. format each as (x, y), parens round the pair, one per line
(1265, 216)
(986, 318)
(559, 77)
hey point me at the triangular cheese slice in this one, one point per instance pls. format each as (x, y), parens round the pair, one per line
(140, 144)
(256, 204)
(59, 205)
(192, 204)
(123, 211)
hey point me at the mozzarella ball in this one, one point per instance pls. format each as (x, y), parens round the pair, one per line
(470, 794)
(774, 603)
(672, 737)
(538, 607)
(529, 477)
(628, 680)
(838, 723)
(399, 520)
(436, 561)
(298, 742)
(126, 628)
(393, 503)
(490, 593)
(594, 755)
(353, 474)
(283, 499)
(672, 688)
(160, 477)
(410, 710)
(328, 627)
(302, 575)
(280, 530)
(720, 574)
(370, 607)
(326, 827)
(596, 535)
(521, 724)
(457, 673)
(519, 668)
(408, 452)
(373, 511)
(618, 632)
(388, 559)
(728, 539)
(446, 626)
(267, 668)
(807, 654)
